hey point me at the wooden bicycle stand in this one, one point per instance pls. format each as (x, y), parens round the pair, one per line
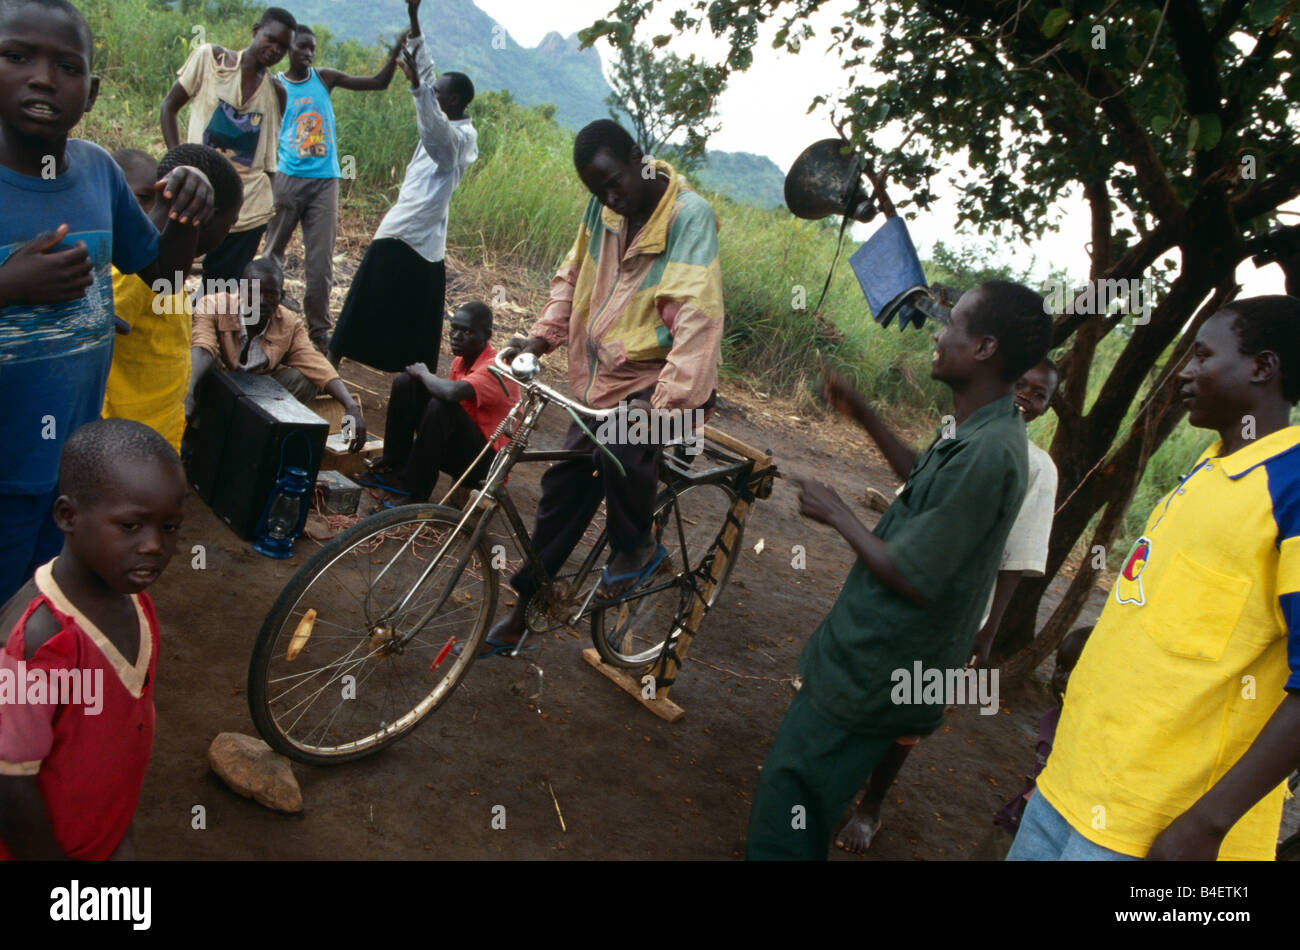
(666, 668)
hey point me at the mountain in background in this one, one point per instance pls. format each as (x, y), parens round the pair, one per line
(462, 37)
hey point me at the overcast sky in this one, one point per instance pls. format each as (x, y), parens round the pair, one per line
(764, 111)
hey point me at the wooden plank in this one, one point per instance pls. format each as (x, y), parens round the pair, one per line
(667, 667)
(731, 443)
(661, 705)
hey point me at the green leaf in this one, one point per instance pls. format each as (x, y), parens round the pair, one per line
(1211, 131)
(1055, 21)
(1193, 132)
(1159, 124)
(661, 40)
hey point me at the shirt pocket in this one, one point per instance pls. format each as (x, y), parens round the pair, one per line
(1198, 609)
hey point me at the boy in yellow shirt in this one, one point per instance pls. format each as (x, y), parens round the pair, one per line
(151, 360)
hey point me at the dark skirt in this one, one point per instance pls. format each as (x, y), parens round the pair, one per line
(392, 316)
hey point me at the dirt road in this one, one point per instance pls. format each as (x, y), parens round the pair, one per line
(625, 784)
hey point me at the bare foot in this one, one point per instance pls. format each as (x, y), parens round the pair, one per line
(858, 832)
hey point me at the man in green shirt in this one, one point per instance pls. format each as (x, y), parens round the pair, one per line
(913, 601)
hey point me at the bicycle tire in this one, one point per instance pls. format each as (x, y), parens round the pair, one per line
(365, 634)
(631, 635)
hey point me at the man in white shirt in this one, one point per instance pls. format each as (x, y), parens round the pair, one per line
(1025, 555)
(393, 313)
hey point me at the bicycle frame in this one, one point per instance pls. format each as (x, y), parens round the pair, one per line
(495, 497)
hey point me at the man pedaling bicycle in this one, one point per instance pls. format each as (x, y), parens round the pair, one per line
(638, 299)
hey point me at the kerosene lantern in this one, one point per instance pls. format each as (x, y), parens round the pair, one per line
(285, 515)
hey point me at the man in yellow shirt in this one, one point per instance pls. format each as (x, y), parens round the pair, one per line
(1183, 715)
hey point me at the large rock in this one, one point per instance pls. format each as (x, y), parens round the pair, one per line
(249, 767)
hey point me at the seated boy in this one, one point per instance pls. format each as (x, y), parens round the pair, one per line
(73, 758)
(249, 332)
(921, 581)
(151, 362)
(441, 425)
(67, 216)
(1184, 714)
(1025, 555)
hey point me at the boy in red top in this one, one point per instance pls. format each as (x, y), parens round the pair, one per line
(440, 425)
(77, 672)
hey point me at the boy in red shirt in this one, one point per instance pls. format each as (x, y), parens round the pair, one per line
(77, 672)
(441, 425)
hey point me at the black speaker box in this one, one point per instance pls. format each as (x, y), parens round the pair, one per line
(249, 428)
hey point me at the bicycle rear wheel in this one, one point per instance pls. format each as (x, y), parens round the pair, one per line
(631, 635)
(349, 659)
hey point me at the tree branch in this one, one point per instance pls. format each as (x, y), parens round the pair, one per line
(1134, 263)
(1102, 87)
(1267, 194)
(1195, 52)
(1227, 17)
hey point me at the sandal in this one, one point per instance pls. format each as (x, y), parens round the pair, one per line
(638, 578)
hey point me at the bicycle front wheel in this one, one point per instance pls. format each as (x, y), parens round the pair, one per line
(358, 648)
(631, 635)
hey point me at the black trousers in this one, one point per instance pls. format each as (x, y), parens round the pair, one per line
(228, 259)
(572, 491)
(424, 436)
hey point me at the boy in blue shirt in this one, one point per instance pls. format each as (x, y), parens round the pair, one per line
(306, 186)
(68, 216)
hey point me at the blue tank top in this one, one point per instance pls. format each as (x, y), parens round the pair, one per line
(308, 148)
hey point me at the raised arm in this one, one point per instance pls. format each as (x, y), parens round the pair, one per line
(334, 79)
(437, 134)
(822, 503)
(842, 396)
(188, 194)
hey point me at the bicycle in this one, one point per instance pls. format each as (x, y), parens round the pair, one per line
(358, 649)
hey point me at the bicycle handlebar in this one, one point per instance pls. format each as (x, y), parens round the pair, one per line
(528, 380)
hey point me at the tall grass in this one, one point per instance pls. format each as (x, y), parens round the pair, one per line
(773, 269)
(521, 199)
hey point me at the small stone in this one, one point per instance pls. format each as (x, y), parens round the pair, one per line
(875, 500)
(252, 769)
